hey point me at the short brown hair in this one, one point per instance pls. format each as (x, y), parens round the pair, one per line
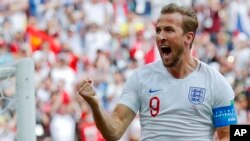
(190, 21)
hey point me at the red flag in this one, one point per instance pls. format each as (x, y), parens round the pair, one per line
(37, 37)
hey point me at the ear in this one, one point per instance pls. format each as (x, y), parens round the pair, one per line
(189, 37)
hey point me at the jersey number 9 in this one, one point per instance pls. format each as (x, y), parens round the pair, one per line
(154, 104)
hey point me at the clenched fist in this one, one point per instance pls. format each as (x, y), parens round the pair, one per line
(86, 90)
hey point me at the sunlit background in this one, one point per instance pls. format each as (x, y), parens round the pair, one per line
(106, 40)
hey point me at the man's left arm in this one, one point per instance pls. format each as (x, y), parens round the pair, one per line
(224, 111)
(223, 133)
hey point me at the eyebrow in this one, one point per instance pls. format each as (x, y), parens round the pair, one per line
(164, 27)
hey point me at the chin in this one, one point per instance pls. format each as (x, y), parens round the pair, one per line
(172, 63)
(169, 65)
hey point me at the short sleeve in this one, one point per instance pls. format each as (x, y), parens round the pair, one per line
(130, 93)
(223, 109)
(223, 92)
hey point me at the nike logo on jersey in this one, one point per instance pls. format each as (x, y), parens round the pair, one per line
(153, 91)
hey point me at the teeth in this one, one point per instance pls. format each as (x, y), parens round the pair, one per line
(164, 46)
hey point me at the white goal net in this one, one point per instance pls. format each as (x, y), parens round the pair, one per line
(17, 99)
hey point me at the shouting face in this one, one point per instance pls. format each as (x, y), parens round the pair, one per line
(170, 38)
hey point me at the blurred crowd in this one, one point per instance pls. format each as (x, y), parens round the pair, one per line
(106, 40)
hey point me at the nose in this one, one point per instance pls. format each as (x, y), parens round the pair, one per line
(162, 36)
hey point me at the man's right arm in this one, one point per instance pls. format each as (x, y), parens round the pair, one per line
(112, 127)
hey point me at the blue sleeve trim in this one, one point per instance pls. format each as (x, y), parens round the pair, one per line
(224, 116)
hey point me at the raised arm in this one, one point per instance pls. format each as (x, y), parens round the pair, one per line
(111, 126)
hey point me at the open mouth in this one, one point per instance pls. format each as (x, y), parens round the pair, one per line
(166, 50)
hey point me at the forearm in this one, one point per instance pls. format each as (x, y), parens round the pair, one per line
(111, 127)
(223, 133)
(108, 126)
(224, 139)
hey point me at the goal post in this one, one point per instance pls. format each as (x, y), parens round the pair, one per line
(25, 100)
(24, 97)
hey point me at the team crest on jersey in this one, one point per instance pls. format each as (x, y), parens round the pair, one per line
(196, 95)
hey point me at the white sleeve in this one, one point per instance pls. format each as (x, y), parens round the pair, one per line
(130, 94)
(223, 92)
(224, 113)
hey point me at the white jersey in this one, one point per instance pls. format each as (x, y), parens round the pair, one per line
(179, 109)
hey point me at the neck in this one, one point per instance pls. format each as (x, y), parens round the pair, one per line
(187, 65)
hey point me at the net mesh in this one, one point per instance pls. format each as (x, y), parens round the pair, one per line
(17, 100)
(7, 89)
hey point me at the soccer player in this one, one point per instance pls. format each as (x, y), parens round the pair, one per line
(178, 98)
